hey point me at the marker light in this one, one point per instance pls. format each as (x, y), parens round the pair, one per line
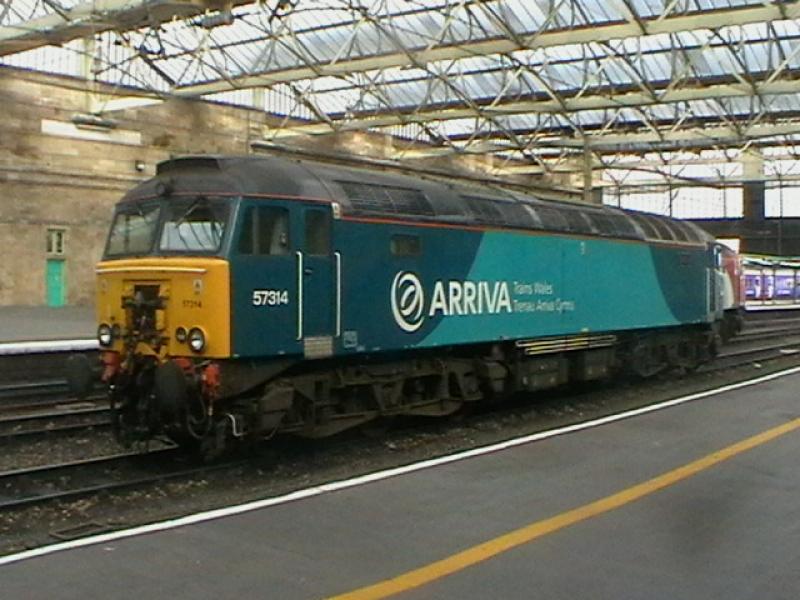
(105, 335)
(180, 334)
(197, 339)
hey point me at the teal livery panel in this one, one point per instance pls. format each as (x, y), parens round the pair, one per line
(393, 286)
(469, 287)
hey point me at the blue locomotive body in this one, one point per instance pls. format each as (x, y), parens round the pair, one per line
(396, 286)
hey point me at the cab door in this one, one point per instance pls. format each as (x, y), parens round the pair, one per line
(316, 282)
(264, 280)
(282, 279)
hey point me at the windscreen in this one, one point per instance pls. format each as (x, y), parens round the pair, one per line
(133, 230)
(194, 225)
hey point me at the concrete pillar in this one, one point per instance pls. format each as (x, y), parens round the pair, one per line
(90, 62)
(259, 98)
(255, 126)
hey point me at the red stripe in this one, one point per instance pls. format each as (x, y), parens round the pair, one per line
(482, 229)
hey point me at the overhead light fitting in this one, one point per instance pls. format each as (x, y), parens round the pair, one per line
(87, 121)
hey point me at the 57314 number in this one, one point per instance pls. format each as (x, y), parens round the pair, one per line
(270, 297)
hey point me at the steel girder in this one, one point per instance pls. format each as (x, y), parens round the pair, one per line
(88, 18)
(441, 51)
(591, 74)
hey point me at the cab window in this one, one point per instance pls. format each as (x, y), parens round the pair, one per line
(265, 231)
(133, 230)
(194, 225)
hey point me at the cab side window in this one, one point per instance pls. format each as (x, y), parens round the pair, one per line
(318, 233)
(265, 231)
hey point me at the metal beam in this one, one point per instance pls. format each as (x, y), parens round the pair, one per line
(711, 19)
(588, 100)
(575, 164)
(86, 19)
(710, 136)
(695, 181)
(738, 133)
(478, 147)
(104, 103)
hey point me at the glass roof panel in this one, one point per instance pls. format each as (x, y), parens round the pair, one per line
(513, 71)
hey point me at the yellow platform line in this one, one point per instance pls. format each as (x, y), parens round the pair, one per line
(481, 552)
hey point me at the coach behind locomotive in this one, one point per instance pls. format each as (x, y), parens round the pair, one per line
(241, 296)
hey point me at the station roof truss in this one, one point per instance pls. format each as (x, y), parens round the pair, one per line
(545, 86)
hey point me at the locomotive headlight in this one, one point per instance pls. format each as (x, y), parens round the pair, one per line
(197, 339)
(180, 334)
(104, 335)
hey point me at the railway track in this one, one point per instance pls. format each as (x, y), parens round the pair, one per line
(10, 393)
(21, 488)
(755, 353)
(36, 373)
(68, 418)
(762, 339)
(32, 405)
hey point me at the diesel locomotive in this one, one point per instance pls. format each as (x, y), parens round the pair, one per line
(239, 297)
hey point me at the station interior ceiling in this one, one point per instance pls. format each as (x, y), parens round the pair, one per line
(683, 107)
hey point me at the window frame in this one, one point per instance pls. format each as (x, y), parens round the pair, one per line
(143, 207)
(52, 250)
(327, 224)
(212, 203)
(255, 241)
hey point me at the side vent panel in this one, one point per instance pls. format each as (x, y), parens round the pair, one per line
(381, 199)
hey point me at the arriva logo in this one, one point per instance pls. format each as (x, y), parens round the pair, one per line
(408, 301)
(451, 298)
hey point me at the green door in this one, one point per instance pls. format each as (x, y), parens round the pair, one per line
(55, 282)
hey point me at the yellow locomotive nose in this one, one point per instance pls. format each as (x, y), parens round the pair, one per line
(168, 307)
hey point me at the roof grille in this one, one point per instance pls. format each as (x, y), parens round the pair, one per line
(484, 210)
(576, 221)
(552, 219)
(386, 199)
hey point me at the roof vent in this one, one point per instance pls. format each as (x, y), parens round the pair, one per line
(187, 163)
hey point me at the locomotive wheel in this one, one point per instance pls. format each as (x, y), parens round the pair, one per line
(181, 409)
(171, 392)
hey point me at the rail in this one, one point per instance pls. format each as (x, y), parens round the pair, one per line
(21, 488)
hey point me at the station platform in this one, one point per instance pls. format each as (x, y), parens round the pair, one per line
(40, 323)
(697, 500)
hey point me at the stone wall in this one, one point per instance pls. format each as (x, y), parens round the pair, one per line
(56, 175)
